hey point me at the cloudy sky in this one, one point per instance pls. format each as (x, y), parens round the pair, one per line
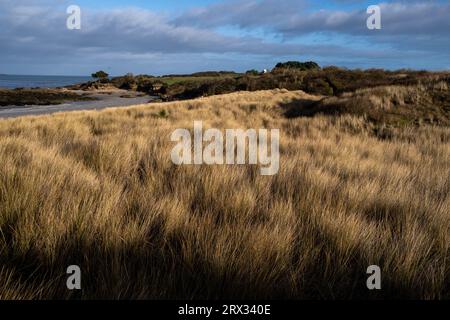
(182, 36)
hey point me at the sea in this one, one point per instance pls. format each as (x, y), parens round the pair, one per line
(23, 81)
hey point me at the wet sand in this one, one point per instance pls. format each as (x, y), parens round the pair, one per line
(106, 99)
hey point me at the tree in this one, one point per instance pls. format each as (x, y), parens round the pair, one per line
(100, 75)
(309, 65)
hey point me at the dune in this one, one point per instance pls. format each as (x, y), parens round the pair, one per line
(98, 189)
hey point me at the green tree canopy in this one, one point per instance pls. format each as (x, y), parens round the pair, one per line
(100, 75)
(309, 65)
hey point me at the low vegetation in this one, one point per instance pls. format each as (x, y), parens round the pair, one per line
(98, 189)
(292, 75)
(394, 105)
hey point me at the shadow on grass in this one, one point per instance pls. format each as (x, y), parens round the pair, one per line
(301, 108)
(159, 269)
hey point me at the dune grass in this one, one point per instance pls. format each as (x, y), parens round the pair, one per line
(98, 189)
(395, 105)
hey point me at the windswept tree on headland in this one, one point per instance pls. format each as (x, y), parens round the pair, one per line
(101, 75)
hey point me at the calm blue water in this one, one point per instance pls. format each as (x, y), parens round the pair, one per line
(13, 81)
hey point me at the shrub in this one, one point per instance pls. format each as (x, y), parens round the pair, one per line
(127, 82)
(309, 65)
(252, 72)
(100, 75)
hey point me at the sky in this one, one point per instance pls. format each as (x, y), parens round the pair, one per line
(182, 36)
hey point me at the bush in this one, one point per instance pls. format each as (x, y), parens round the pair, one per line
(309, 65)
(100, 75)
(128, 82)
(252, 72)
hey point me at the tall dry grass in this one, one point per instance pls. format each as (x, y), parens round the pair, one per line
(397, 105)
(98, 189)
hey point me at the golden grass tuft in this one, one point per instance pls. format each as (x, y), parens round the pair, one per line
(395, 105)
(98, 189)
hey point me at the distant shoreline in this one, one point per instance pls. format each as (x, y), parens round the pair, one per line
(93, 100)
(292, 76)
(38, 81)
